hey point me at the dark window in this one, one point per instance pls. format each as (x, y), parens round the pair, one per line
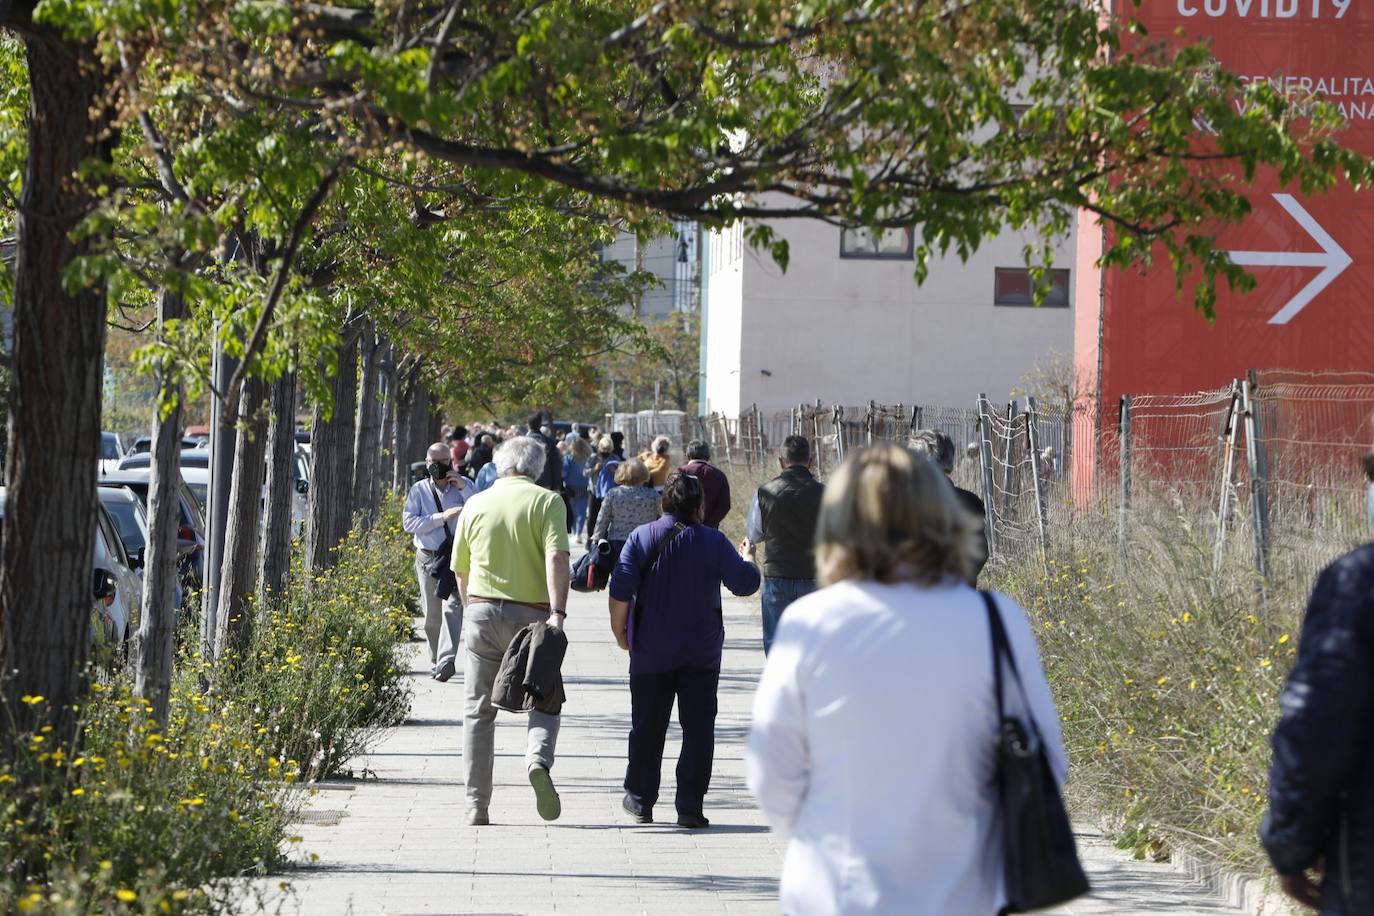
(894, 244)
(1015, 286)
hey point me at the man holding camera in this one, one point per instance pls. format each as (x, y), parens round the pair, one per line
(431, 518)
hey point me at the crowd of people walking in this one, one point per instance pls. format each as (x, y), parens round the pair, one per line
(893, 550)
(878, 644)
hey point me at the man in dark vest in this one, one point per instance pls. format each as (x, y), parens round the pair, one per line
(782, 518)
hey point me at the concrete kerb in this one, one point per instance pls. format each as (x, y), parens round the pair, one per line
(1255, 896)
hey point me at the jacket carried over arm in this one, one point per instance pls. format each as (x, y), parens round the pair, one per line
(531, 672)
(1321, 789)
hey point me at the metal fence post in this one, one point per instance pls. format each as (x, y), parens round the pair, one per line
(758, 432)
(1255, 459)
(1033, 443)
(1124, 510)
(1230, 430)
(985, 467)
(1007, 474)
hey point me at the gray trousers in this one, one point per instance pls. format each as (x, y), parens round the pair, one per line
(443, 619)
(491, 628)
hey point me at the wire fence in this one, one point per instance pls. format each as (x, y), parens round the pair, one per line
(1269, 467)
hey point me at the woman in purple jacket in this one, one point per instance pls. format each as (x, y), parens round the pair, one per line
(671, 572)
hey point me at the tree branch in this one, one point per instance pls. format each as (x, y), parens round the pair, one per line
(298, 231)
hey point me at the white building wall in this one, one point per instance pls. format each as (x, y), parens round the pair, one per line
(853, 330)
(722, 321)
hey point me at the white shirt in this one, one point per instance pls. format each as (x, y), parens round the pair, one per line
(422, 519)
(753, 521)
(873, 746)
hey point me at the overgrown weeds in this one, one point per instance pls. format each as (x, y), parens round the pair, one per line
(146, 819)
(1166, 675)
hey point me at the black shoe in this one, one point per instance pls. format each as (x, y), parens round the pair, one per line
(442, 673)
(641, 814)
(693, 821)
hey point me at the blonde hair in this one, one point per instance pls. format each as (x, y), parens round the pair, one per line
(888, 515)
(581, 449)
(632, 473)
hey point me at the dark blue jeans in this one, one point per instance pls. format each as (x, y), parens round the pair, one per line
(651, 707)
(777, 595)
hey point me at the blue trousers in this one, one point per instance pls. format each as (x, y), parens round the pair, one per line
(777, 595)
(579, 508)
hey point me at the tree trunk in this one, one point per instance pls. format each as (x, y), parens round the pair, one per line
(366, 438)
(420, 433)
(153, 647)
(54, 423)
(242, 534)
(275, 568)
(331, 464)
(400, 428)
(386, 428)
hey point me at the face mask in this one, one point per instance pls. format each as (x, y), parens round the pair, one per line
(439, 470)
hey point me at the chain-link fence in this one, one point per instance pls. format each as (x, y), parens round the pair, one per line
(1270, 466)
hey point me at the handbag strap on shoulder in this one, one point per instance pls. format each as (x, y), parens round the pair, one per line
(1001, 651)
(657, 552)
(439, 505)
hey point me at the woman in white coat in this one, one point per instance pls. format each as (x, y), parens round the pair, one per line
(875, 725)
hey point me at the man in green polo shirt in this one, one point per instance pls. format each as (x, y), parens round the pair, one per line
(510, 555)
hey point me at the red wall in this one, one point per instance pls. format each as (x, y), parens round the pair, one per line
(1151, 340)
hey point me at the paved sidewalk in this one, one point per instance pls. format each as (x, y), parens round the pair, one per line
(394, 842)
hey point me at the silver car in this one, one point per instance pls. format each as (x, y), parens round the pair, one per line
(111, 556)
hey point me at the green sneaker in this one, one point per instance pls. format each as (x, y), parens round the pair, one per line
(545, 797)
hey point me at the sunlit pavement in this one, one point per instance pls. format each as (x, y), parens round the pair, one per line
(393, 840)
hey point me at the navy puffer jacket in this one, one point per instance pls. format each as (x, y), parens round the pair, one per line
(1321, 785)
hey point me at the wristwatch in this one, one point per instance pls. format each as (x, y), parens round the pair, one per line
(553, 610)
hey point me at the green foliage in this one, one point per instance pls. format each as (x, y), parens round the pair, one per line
(324, 666)
(142, 819)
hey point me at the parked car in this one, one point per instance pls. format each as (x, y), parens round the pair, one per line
(126, 509)
(111, 451)
(120, 613)
(191, 528)
(191, 457)
(144, 444)
(197, 477)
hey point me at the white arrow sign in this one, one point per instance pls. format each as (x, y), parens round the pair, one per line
(1332, 259)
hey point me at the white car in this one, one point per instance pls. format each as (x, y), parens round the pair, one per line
(198, 479)
(111, 451)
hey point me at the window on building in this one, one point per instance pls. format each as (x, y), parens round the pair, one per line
(1016, 286)
(895, 244)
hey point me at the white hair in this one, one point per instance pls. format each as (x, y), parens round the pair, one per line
(521, 455)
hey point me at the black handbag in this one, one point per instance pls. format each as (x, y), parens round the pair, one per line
(438, 564)
(1041, 866)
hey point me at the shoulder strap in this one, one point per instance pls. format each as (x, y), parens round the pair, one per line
(1001, 649)
(657, 552)
(654, 554)
(999, 646)
(439, 505)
